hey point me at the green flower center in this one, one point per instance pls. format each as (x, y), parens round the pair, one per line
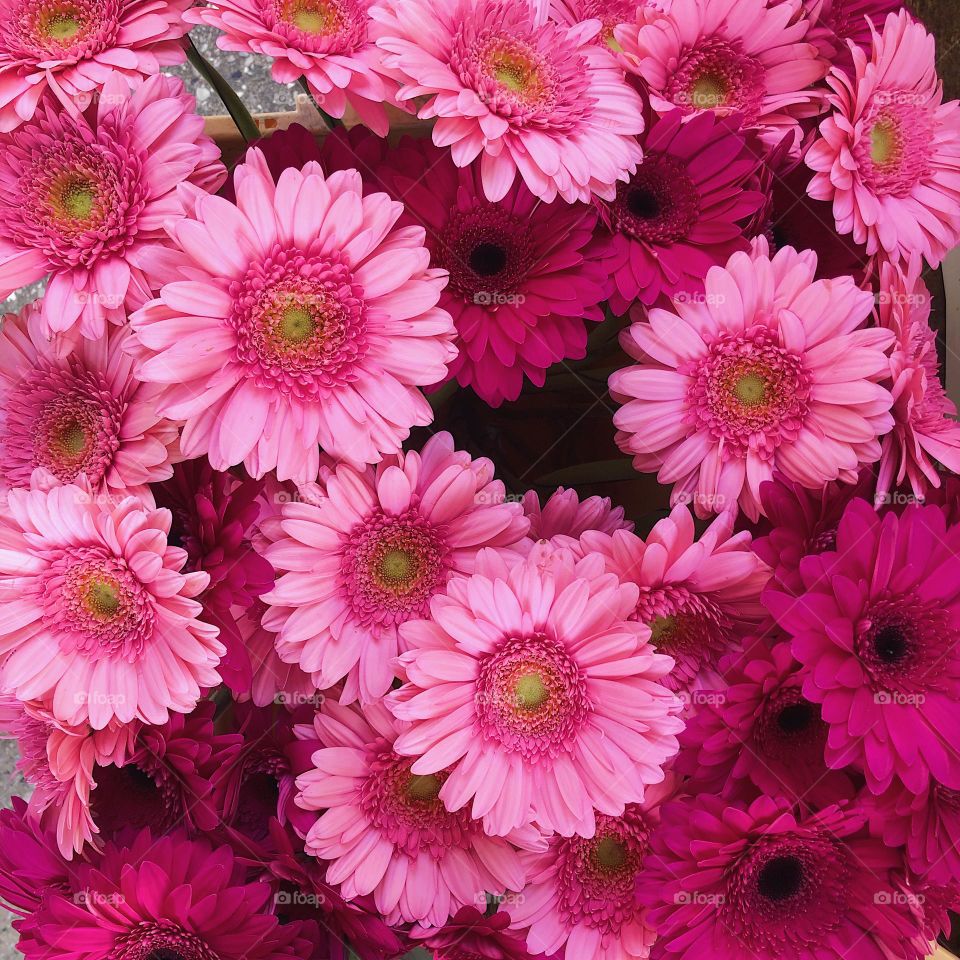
(297, 325)
(532, 693)
(396, 566)
(708, 93)
(103, 597)
(750, 389)
(423, 788)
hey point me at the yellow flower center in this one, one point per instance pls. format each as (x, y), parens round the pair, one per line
(72, 439)
(103, 597)
(708, 93)
(315, 17)
(63, 26)
(297, 325)
(884, 142)
(397, 565)
(531, 691)
(750, 389)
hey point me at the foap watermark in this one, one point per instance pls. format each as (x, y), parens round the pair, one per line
(99, 698)
(701, 296)
(298, 898)
(293, 698)
(109, 301)
(899, 699)
(699, 898)
(496, 899)
(702, 698)
(493, 298)
(901, 898)
(96, 898)
(897, 499)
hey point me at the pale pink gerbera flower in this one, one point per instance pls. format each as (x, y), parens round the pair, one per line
(328, 42)
(374, 552)
(85, 198)
(81, 413)
(745, 57)
(925, 429)
(306, 319)
(769, 370)
(384, 829)
(888, 155)
(530, 685)
(697, 594)
(97, 617)
(564, 517)
(70, 48)
(529, 97)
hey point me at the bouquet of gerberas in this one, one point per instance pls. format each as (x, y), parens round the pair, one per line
(292, 675)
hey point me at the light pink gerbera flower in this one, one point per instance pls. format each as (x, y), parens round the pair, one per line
(768, 370)
(525, 96)
(385, 831)
(97, 617)
(532, 688)
(86, 198)
(305, 320)
(925, 429)
(697, 594)
(82, 413)
(610, 13)
(328, 42)
(888, 156)
(745, 57)
(374, 552)
(68, 49)
(564, 517)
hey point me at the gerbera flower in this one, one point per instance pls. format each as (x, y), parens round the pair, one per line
(166, 897)
(836, 23)
(81, 412)
(697, 594)
(287, 334)
(580, 899)
(85, 198)
(744, 57)
(748, 379)
(524, 275)
(385, 831)
(98, 617)
(925, 428)
(374, 552)
(525, 96)
(888, 154)
(682, 212)
(564, 517)
(728, 881)
(881, 613)
(70, 48)
(532, 689)
(759, 733)
(330, 43)
(470, 933)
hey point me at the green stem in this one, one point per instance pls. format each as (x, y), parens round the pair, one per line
(235, 106)
(440, 396)
(331, 122)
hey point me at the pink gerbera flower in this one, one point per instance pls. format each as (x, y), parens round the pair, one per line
(889, 153)
(837, 23)
(728, 881)
(85, 198)
(697, 594)
(78, 413)
(385, 831)
(682, 212)
(533, 689)
(70, 48)
(564, 517)
(749, 379)
(746, 57)
(876, 631)
(98, 617)
(373, 553)
(471, 934)
(525, 96)
(306, 319)
(925, 429)
(610, 13)
(330, 43)
(524, 275)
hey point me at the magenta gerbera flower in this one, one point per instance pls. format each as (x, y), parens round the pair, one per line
(882, 611)
(524, 275)
(86, 197)
(746, 57)
(682, 212)
(385, 830)
(330, 43)
(836, 23)
(888, 154)
(78, 411)
(98, 617)
(748, 379)
(68, 49)
(697, 594)
(532, 687)
(311, 322)
(524, 96)
(471, 933)
(729, 881)
(563, 518)
(371, 556)
(165, 899)
(925, 429)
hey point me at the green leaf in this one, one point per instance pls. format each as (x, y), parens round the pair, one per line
(235, 106)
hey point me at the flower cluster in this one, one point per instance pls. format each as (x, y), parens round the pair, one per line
(305, 652)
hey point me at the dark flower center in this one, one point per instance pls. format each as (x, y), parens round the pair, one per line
(643, 204)
(164, 953)
(795, 718)
(890, 644)
(488, 259)
(780, 878)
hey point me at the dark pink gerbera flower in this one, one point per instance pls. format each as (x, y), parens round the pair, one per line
(727, 882)
(471, 934)
(836, 23)
(682, 212)
(876, 630)
(563, 518)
